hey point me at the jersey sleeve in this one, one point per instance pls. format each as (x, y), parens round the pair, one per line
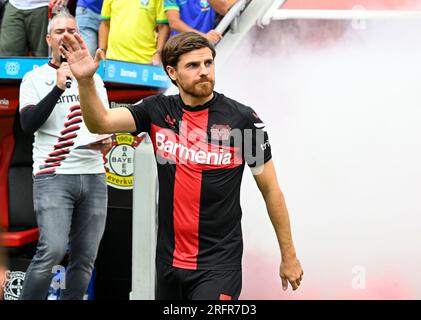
(141, 112)
(27, 93)
(161, 16)
(257, 149)
(171, 4)
(106, 10)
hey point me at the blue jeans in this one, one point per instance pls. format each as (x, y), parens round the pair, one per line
(88, 22)
(71, 212)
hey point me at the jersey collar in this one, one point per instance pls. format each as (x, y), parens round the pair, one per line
(52, 65)
(200, 107)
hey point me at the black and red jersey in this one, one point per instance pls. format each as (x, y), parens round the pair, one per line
(200, 153)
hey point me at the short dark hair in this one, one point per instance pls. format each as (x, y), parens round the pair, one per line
(180, 44)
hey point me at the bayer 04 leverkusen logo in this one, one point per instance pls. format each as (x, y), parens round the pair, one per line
(13, 285)
(119, 161)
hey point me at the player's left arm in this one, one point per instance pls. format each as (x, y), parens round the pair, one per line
(290, 268)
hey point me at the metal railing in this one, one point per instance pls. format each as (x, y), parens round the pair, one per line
(267, 17)
(231, 18)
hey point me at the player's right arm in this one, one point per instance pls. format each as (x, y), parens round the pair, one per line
(97, 118)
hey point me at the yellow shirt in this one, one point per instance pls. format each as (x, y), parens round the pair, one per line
(132, 35)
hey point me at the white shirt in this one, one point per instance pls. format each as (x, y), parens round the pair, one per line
(29, 4)
(64, 126)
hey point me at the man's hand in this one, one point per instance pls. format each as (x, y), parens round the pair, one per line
(82, 65)
(213, 36)
(291, 271)
(104, 145)
(156, 58)
(62, 73)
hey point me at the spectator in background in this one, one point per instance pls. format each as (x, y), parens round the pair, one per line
(88, 16)
(128, 30)
(22, 27)
(70, 191)
(2, 5)
(196, 16)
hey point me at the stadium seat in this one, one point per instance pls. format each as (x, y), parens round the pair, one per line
(17, 217)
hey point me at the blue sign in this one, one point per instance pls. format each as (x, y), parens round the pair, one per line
(111, 71)
(136, 74)
(15, 68)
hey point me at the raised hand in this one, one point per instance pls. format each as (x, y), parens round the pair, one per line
(81, 63)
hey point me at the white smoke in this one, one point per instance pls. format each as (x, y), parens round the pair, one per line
(343, 112)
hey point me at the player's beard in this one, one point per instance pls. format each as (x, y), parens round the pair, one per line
(201, 89)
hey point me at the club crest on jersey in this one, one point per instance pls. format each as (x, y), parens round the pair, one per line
(204, 4)
(220, 132)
